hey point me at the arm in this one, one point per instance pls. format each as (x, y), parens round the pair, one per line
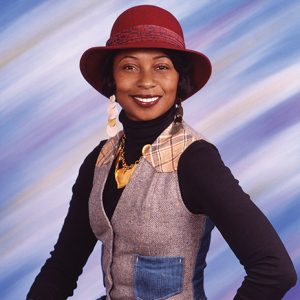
(58, 277)
(250, 235)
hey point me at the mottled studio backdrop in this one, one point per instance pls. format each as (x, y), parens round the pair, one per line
(51, 118)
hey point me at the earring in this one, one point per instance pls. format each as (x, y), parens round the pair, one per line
(178, 112)
(112, 124)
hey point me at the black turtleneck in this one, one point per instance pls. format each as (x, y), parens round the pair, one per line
(207, 186)
(138, 134)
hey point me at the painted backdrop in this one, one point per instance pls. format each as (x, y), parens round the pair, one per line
(51, 118)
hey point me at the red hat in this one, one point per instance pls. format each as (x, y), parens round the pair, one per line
(144, 26)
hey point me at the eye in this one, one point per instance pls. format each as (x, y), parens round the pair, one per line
(128, 67)
(162, 67)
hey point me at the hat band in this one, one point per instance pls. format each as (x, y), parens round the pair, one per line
(146, 33)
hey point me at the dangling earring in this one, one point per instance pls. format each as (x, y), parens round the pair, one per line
(178, 112)
(112, 124)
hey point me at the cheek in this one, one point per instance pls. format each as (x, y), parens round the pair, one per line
(172, 85)
(171, 81)
(122, 84)
(122, 91)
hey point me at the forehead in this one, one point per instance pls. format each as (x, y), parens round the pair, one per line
(141, 54)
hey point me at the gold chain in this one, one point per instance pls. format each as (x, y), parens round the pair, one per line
(123, 172)
(121, 156)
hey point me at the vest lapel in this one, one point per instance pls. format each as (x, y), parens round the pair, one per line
(108, 151)
(165, 152)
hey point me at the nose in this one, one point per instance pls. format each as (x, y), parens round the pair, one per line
(146, 79)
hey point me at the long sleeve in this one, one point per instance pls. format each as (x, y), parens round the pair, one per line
(58, 277)
(208, 187)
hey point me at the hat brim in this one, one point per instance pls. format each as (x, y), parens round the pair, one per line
(93, 59)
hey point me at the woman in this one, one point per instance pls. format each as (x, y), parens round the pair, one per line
(153, 192)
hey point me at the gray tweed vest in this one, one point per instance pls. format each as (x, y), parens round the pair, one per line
(153, 247)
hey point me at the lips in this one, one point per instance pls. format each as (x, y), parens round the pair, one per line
(146, 101)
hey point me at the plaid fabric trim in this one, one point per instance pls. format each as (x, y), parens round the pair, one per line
(108, 151)
(165, 151)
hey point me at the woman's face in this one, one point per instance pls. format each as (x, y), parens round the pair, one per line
(146, 83)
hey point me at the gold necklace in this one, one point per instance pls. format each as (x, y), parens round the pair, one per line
(123, 172)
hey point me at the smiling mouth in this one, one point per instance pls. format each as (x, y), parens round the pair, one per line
(146, 101)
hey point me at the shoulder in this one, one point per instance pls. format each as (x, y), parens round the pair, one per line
(165, 152)
(87, 168)
(92, 157)
(201, 165)
(202, 152)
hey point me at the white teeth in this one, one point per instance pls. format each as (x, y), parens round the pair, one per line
(146, 100)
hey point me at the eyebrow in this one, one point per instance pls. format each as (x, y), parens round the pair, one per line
(161, 56)
(135, 58)
(128, 56)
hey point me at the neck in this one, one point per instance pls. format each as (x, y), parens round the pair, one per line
(140, 133)
(145, 131)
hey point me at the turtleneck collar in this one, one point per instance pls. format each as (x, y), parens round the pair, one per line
(145, 132)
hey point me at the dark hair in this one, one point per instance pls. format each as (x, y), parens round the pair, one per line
(183, 67)
(181, 64)
(108, 84)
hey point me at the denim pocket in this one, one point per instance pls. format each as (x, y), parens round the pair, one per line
(157, 277)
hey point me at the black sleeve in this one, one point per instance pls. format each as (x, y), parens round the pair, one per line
(208, 187)
(58, 277)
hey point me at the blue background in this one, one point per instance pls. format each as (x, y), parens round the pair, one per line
(51, 118)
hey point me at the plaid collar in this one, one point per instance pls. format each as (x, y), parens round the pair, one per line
(165, 151)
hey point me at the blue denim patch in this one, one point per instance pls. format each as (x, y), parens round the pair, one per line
(198, 287)
(157, 277)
